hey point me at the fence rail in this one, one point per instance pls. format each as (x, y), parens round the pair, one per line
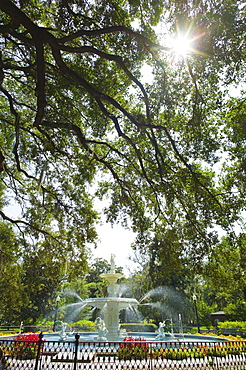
(75, 355)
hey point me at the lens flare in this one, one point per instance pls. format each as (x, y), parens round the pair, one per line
(181, 46)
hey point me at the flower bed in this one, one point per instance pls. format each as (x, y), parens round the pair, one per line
(140, 349)
(24, 347)
(133, 348)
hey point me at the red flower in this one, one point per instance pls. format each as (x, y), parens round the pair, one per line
(27, 337)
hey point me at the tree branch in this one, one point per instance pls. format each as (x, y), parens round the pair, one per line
(21, 222)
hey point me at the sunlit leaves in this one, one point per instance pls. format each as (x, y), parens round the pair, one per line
(76, 109)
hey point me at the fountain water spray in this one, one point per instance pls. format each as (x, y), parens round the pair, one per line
(108, 325)
(112, 305)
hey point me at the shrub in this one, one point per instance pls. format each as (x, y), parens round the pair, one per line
(85, 325)
(232, 325)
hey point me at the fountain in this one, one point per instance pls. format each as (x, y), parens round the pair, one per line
(111, 305)
(108, 327)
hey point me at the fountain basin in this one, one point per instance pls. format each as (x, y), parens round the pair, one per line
(149, 337)
(120, 303)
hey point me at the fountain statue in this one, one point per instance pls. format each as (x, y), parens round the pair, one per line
(112, 263)
(112, 305)
(62, 333)
(102, 330)
(161, 335)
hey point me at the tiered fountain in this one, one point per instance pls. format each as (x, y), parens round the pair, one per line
(108, 327)
(111, 305)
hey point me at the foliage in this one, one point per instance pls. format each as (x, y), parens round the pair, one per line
(3, 361)
(232, 324)
(25, 347)
(179, 353)
(127, 350)
(133, 347)
(40, 280)
(154, 144)
(43, 321)
(166, 265)
(97, 267)
(225, 266)
(228, 337)
(85, 325)
(225, 277)
(216, 350)
(75, 289)
(79, 121)
(10, 277)
(236, 309)
(8, 332)
(94, 283)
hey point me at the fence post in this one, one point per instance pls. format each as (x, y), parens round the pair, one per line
(76, 350)
(151, 357)
(40, 342)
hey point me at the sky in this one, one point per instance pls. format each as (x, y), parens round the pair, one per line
(115, 240)
(111, 240)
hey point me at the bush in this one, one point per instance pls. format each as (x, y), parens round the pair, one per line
(84, 325)
(8, 332)
(232, 325)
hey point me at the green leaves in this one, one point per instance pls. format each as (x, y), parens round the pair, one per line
(77, 121)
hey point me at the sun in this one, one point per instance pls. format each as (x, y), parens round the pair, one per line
(181, 46)
(183, 42)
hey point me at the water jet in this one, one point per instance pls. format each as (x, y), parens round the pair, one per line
(108, 326)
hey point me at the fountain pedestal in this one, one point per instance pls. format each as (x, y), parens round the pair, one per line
(111, 319)
(112, 305)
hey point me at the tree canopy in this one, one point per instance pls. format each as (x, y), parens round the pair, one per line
(79, 120)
